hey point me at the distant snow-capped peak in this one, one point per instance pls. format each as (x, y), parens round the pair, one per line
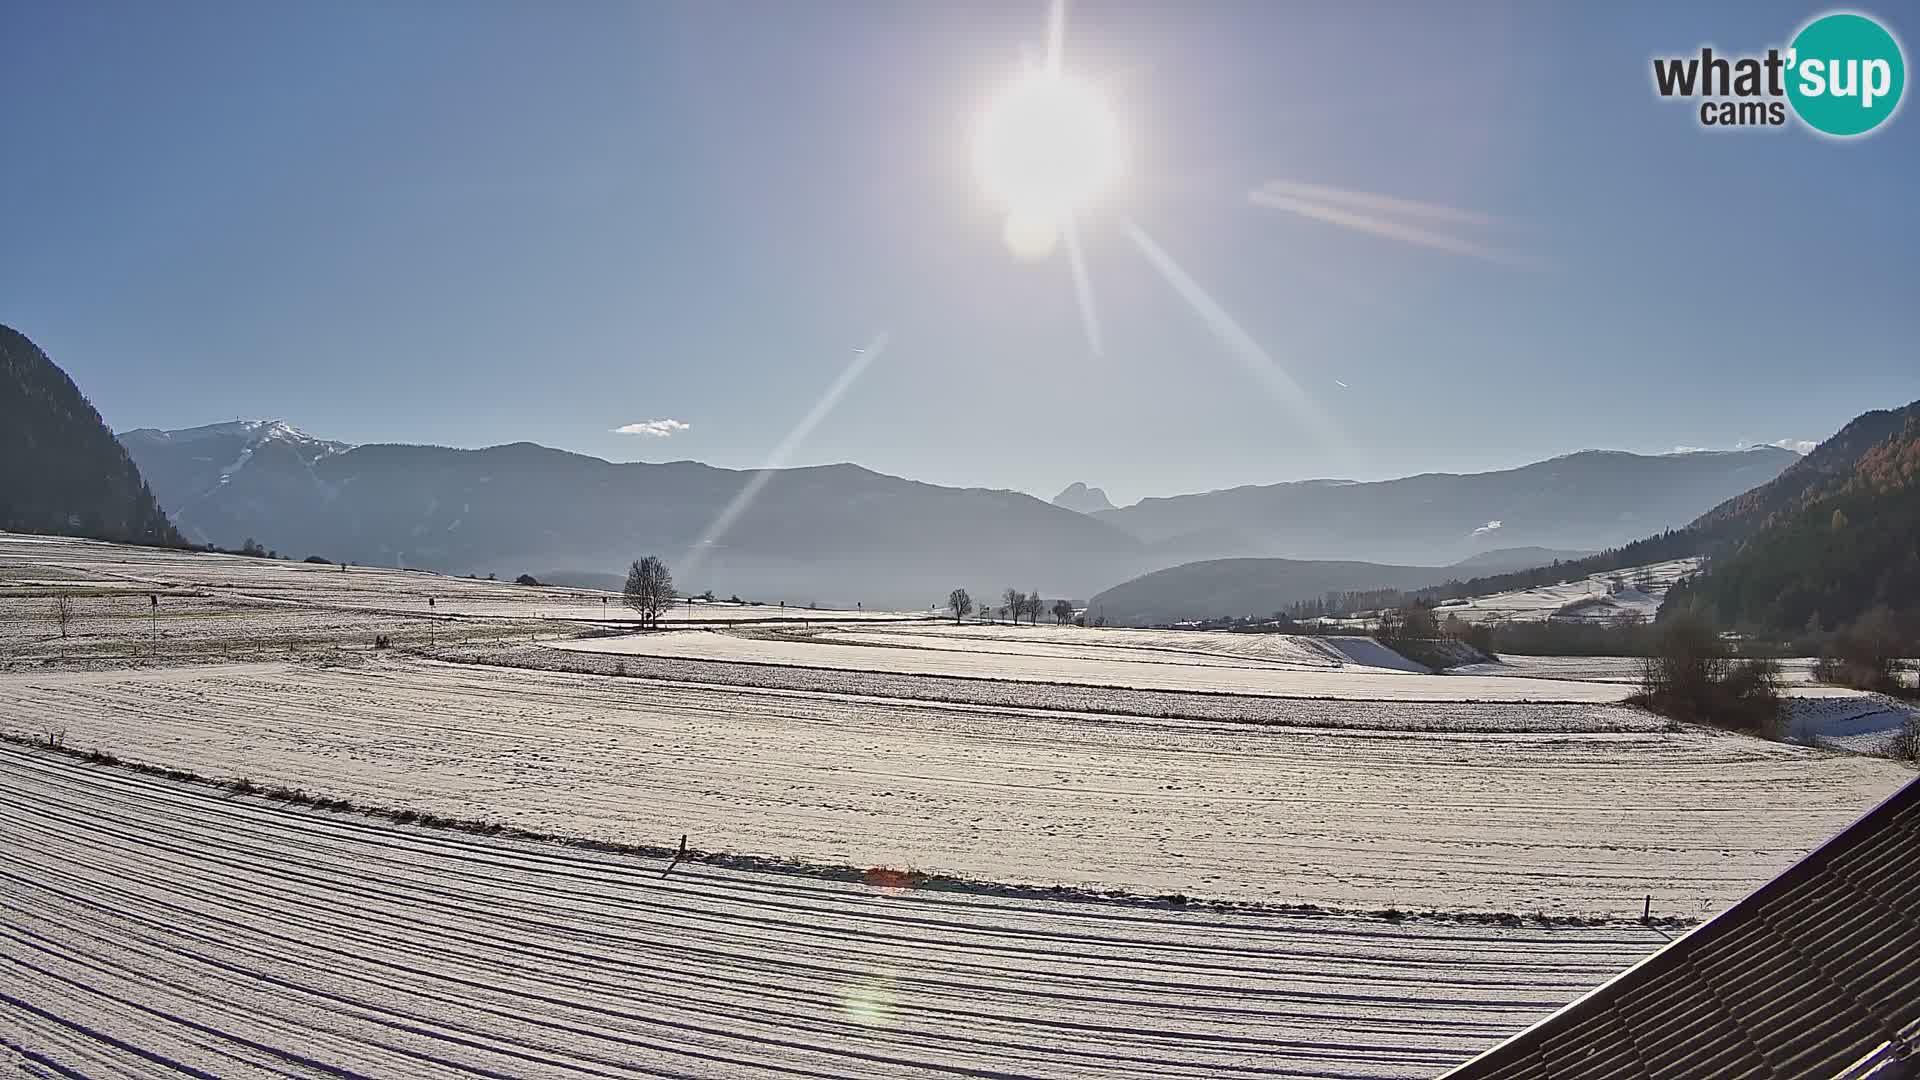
(253, 433)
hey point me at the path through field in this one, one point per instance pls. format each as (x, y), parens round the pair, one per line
(151, 928)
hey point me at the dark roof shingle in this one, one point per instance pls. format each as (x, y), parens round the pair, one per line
(1815, 971)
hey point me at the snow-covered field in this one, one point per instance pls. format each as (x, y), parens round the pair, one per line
(1796, 671)
(36, 564)
(1450, 716)
(1602, 604)
(151, 928)
(1136, 646)
(1830, 716)
(1084, 657)
(213, 606)
(1849, 720)
(1562, 822)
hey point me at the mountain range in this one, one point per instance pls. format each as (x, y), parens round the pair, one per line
(1587, 500)
(843, 534)
(1833, 534)
(1820, 537)
(835, 534)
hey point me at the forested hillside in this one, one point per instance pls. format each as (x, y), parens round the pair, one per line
(63, 470)
(1846, 546)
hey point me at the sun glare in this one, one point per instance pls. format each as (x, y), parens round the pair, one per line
(1047, 147)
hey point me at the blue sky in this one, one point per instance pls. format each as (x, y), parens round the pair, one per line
(481, 222)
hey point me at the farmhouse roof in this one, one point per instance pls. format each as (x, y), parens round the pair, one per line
(1817, 973)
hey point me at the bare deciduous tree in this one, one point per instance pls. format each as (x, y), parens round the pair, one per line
(649, 589)
(1034, 604)
(63, 613)
(961, 603)
(1013, 604)
(1062, 610)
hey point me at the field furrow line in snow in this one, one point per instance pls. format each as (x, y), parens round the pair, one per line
(160, 928)
(1561, 822)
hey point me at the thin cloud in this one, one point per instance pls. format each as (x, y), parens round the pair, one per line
(654, 429)
(1488, 527)
(1406, 220)
(1688, 450)
(1381, 204)
(1798, 446)
(1351, 218)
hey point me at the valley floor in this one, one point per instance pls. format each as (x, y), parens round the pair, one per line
(1561, 820)
(917, 849)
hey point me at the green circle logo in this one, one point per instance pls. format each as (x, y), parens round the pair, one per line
(1845, 74)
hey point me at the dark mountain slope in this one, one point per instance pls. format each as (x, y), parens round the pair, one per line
(1824, 470)
(1245, 587)
(61, 471)
(1829, 550)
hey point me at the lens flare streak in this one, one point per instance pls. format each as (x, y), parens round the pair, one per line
(1083, 288)
(782, 453)
(1277, 197)
(1382, 204)
(1240, 343)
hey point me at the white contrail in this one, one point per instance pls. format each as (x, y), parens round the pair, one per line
(1384, 204)
(1083, 287)
(1236, 339)
(784, 451)
(1393, 230)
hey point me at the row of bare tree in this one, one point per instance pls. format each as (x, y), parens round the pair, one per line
(1014, 606)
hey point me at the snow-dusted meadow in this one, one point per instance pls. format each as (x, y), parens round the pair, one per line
(1180, 790)
(1179, 661)
(230, 605)
(150, 928)
(1560, 820)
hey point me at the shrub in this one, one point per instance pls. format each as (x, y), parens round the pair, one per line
(1691, 677)
(380, 641)
(1864, 654)
(1906, 741)
(1582, 606)
(526, 579)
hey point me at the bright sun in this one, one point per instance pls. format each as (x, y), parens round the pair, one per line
(1047, 147)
